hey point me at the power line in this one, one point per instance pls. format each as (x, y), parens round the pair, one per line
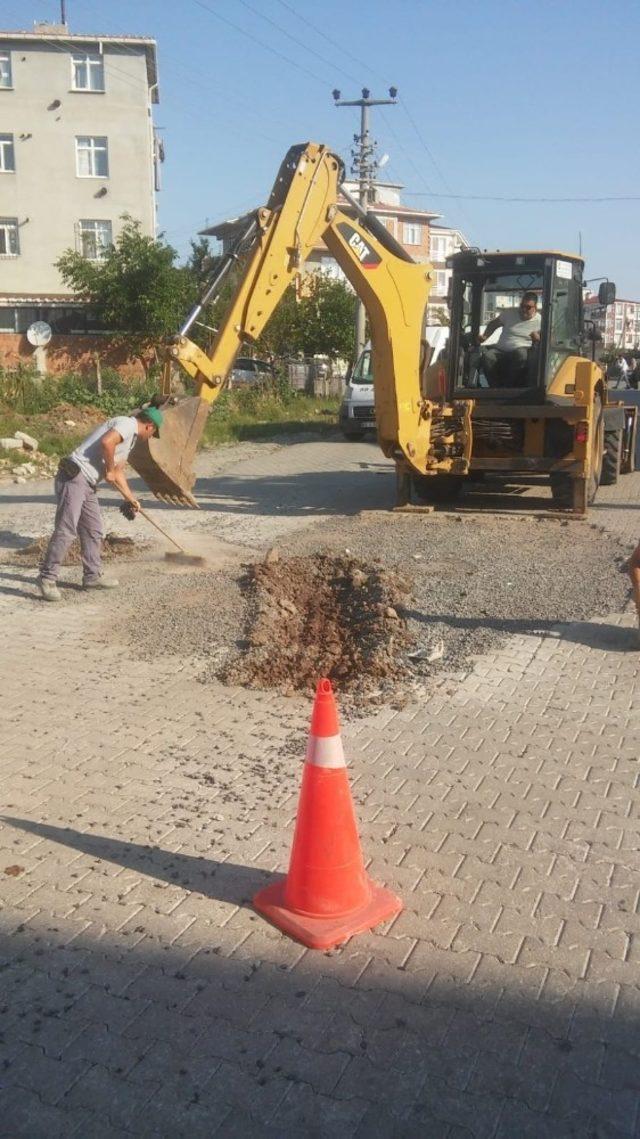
(367, 67)
(348, 55)
(493, 198)
(329, 62)
(261, 43)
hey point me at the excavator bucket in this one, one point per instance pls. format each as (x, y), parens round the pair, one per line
(165, 463)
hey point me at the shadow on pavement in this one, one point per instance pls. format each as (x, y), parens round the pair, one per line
(608, 638)
(224, 881)
(31, 593)
(171, 1024)
(10, 540)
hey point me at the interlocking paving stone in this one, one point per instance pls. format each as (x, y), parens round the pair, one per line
(140, 994)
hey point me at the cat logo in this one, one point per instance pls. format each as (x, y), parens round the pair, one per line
(366, 256)
(358, 245)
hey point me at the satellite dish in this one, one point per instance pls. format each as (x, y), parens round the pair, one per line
(383, 161)
(39, 333)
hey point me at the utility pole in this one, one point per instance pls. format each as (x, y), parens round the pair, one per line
(365, 167)
(63, 12)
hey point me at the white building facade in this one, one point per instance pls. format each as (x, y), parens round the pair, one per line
(619, 323)
(444, 241)
(77, 151)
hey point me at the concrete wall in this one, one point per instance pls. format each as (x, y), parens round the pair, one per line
(45, 193)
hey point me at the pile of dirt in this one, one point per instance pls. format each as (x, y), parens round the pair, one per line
(113, 548)
(322, 615)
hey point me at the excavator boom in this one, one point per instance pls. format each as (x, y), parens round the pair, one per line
(304, 210)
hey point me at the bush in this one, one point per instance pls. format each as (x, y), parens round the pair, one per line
(24, 391)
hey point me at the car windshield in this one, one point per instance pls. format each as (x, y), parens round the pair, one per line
(363, 371)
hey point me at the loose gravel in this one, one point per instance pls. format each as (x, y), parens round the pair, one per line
(477, 580)
(473, 582)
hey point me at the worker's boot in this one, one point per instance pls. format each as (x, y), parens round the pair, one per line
(48, 590)
(102, 582)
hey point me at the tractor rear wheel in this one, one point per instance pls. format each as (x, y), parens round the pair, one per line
(612, 458)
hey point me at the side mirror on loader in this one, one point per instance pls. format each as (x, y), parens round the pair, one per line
(607, 293)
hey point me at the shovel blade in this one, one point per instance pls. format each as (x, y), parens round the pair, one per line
(165, 464)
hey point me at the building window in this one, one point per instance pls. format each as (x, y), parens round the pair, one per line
(94, 238)
(442, 282)
(5, 69)
(88, 71)
(412, 234)
(9, 240)
(92, 159)
(438, 248)
(7, 154)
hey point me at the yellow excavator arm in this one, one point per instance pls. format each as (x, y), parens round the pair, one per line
(302, 212)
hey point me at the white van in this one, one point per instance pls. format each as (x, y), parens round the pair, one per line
(357, 411)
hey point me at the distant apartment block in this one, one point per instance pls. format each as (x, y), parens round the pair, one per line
(413, 229)
(444, 241)
(77, 151)
(619, 323)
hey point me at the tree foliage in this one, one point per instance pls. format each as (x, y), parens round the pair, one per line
(319, 322)
(137, 290)
(142, 295)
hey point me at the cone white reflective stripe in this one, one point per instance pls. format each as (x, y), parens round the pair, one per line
(325, 751)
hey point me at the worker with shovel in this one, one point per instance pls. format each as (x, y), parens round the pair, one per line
(102, 455)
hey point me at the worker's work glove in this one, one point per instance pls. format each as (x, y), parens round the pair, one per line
(128, 510)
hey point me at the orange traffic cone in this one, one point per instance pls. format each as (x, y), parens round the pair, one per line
(327, 895)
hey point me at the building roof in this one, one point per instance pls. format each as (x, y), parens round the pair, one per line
(40, 300)
(226, 228)
(60, 34)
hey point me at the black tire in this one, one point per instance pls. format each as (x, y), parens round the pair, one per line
(612, 458)
(597, 450)
(437, 488)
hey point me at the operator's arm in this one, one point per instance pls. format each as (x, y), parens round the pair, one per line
(490, 329)
(535, 337)
(114, 472)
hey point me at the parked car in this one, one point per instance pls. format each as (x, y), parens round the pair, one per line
(357, 411)
(249, 371)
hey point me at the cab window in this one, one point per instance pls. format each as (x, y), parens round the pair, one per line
(566, 316)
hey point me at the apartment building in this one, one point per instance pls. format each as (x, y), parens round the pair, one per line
(444, 241)
(77, 151)
(409, 226)
(619, 323)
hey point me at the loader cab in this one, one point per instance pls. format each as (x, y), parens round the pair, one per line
(484, 286)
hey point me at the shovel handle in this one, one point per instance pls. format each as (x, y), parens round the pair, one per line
(154, 523)
(164, 532)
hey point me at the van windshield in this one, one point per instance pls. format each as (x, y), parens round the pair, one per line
(363, 371)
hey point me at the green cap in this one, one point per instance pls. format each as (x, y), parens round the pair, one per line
(154, 415)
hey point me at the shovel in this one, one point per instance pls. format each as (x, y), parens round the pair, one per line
(180, 555)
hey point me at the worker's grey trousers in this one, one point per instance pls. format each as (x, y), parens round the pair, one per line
(78, 514)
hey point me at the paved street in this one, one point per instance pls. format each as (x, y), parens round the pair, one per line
(141, 810)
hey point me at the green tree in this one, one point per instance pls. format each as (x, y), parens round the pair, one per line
(320, 322)
(137, 290)
(202, 261)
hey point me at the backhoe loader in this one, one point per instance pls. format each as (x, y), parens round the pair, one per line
(436, 423)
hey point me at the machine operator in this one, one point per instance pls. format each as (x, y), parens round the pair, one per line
(506, 362)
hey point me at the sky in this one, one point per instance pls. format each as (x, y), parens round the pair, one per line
(501, 100)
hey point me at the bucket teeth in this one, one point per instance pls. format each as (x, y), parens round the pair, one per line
(165, 463)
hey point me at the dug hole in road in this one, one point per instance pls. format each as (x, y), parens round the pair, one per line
(485, 663)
